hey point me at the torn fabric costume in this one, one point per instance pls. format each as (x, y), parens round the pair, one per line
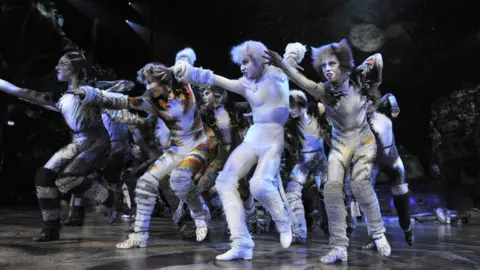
(263, 145)
(179, 112)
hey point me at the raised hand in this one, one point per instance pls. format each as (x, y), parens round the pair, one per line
(77, 92)
(123, 86)
(272, 58)
(395, 111)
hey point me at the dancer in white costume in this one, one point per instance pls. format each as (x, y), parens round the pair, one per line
(266, 89)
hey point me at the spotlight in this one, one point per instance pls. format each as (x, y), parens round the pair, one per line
(11, 123)
(127, 21)
(129, 3)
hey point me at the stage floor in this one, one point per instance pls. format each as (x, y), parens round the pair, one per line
(92, 247)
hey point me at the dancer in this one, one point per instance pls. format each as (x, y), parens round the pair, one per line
(120, 147)
(389, 161)
(226, 122)
(175, 104)
(312, 159)
(345, 96)
(266, 89)
(75, 167)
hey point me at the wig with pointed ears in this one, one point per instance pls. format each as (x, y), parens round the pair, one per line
(248, 49)
(153, 70)
(187, 53)
(341, 50)
(298, 97)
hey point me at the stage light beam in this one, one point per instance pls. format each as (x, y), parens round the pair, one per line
(141, 30)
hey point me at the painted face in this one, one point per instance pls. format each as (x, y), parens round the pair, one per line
(295, 110)
(154, 87)
(208, 98)
(64, 70)
(331, 68)
(212, 98)
(250, 69)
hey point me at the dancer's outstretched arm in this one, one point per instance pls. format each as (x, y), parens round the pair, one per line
(110, 100)
(118, 101)
(125, 117)
(39, 98)
(185, 72)
(315, 89)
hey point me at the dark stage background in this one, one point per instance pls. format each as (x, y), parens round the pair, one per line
(430, 49)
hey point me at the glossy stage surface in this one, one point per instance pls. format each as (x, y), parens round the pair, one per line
(92, 247)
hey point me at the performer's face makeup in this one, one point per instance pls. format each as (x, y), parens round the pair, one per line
(208, 98)
(64, 70)
(331, 68)
(295, 110)
(212, 98)
(250, 69)
(154, 87)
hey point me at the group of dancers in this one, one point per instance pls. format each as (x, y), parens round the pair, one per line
(221, 156)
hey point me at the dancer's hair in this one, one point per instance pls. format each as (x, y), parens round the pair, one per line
(299, 98)
(153, 70)
(248, 49)
(79, 65)
(341, 50)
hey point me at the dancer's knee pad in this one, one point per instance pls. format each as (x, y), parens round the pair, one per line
(181, 182)
(294, 187)
(361, 186)
(147, 189)
(333, 189)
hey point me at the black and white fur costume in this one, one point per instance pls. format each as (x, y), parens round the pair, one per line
(311, 160)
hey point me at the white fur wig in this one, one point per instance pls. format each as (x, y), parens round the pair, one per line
(252, 49)
(187, 53)
(298, 96)
(295, 50)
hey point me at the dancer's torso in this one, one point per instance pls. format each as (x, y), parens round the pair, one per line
(269, 97)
